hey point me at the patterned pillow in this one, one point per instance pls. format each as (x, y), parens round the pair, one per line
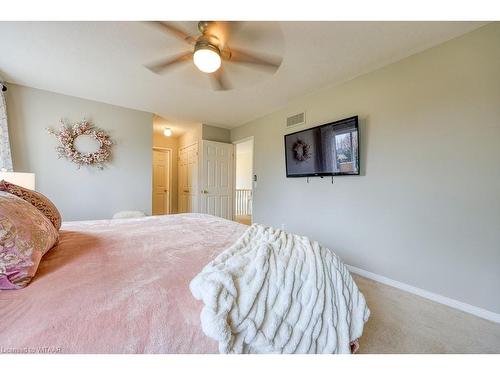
(37, 199)
(25, 236)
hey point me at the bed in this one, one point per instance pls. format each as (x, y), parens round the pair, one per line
(188, 283)
(117, 286)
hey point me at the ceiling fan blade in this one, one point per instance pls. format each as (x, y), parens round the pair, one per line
(219, 80)
(170, 28)
(244, 57)
(224, 30)
(160, 66)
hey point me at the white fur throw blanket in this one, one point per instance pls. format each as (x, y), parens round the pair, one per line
(274, 292)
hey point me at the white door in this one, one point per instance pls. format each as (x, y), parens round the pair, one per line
(188, 179)
(217, 179)
(161, 182)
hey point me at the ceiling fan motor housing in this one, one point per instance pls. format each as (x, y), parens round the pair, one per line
(203, 26)
(205, 43)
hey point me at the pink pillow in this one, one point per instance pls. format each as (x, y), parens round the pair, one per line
(40, 201)
(25, 236)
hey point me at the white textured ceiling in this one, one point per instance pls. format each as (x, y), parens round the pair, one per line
(103, 61)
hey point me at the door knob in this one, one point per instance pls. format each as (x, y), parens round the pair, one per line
(204, 191)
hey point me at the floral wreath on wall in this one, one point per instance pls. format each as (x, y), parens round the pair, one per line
(67, 135)
(301, 150)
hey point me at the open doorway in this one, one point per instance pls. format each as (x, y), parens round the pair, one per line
(243, 178)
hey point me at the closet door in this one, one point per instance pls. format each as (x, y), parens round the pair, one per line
(217, 179)
(188, 179)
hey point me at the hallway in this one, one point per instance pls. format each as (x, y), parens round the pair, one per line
(244, 185)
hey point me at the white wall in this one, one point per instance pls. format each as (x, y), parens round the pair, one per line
(125, 184)
(426, 209)
(216, 134)
(204, 132)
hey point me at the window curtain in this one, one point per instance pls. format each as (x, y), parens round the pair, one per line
(5, 155)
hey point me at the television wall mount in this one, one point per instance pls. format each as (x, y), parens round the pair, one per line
(307, 178)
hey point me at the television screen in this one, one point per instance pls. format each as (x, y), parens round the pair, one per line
(326, 150)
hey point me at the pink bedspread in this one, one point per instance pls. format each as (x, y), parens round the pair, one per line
(117, 286)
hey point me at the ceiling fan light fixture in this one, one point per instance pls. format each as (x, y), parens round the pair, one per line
(206, 57)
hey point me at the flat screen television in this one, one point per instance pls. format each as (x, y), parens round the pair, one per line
(327, 150)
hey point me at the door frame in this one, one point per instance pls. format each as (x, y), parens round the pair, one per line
(242, 140)
(169, 150)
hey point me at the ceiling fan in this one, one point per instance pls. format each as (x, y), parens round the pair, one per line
(211, 51)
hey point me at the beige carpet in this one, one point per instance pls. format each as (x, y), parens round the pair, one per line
(401, 322)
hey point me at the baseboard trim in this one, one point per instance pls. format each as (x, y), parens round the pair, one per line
(474, 310)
